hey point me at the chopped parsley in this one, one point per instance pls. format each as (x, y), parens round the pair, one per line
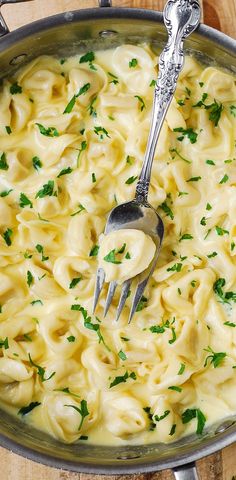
(220, 231)
(65, 171)
(47, 132)
(7, 236)
(15, 88)
(233, 110)
(188, 132)
(194, 179)
(35, 302)
(186, 236)
(163, 327)
(71, 339)
(25, 201)
(24, 410)
(94, 251)
(230, 324)
(81, 208)
(46, 190)
(40, 370)
(172, 430)
(114, 78)
(167, 210)
(83, 147)
(88, 324)
(101, 131)
(152, 425)
(37, 163)
(182, 369)
(158, 418)
(89, 57)
(131, 180)
(212, 255)
(175, 388)
(4, 343)
(30, 278)
(215, 358)
(91, 108)
(94, 179)
(218, 289)
(215, 109)
(122, 355)
(81, 91)
(208, 206)
(176, 268)
(152, 83)
(190, 414)
(224, 179)
(3, 162)
(4, 193)
(141, 101)
(133, 63)
(142, 304)
(83, 410)
(210, 162)
(111, 257)
(8, 129)
(122, 379)
(74, 282)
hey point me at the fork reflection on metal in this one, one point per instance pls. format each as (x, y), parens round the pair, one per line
(181, 18)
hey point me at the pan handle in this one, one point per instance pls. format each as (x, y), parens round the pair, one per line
(3, 26)
(186, 472)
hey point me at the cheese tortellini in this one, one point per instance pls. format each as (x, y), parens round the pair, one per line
(73, 133)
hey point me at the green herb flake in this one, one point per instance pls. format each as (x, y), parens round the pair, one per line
(94, 251)
(141, 101)
(210, 162)
(4, 343)
(180, 194)
(83, 410)
(182, 369)
(172, 430)
(189, 132)
(37, 163)
(88, 323)
(24, 410)
(81, 208)
(8, 129)
(176, 268)
(74, 282)
(224, 179)
(215, 109)
(232, 246)
(25, 201)
(71, 339)
(220, 231)
(122, 379)
(142, 304)
(203, 221)
(110, 257)
(175, 388)
(83, 437)
(36, 302)
(65, 171)
(83, 147)
(230, 324)
(212, 255)
(190, 414)
(89, 57)
(94, 178)
(30, 278)
(15, 88)
(131, 180)
(40, 370)
(3, 162)
(208, 206)
(4, 193)
(194, 179)
(186, 236)
(122, 355)
(91, 109)
(127, 256)
(158, 418)
(46, 190)
(133, 63)
(40, 249)
(152, 83)
(232, 109)
(216, 358)
(101, 131)
(47, 132)
(81, 91)
(165, 207)
(7, 236)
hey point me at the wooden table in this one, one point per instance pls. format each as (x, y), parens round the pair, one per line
(220, 14)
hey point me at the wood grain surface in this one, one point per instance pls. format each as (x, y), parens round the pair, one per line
(220, 14)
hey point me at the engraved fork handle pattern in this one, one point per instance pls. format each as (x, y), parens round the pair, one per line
(181, 18)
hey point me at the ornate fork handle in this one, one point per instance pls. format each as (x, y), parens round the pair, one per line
(181, 18)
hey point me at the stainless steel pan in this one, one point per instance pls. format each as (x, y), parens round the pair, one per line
(67, 34)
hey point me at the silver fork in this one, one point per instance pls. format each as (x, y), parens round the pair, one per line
(181, 18)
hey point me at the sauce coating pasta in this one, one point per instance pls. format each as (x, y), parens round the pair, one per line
(72, 139)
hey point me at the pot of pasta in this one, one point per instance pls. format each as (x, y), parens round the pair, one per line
(79, 391)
